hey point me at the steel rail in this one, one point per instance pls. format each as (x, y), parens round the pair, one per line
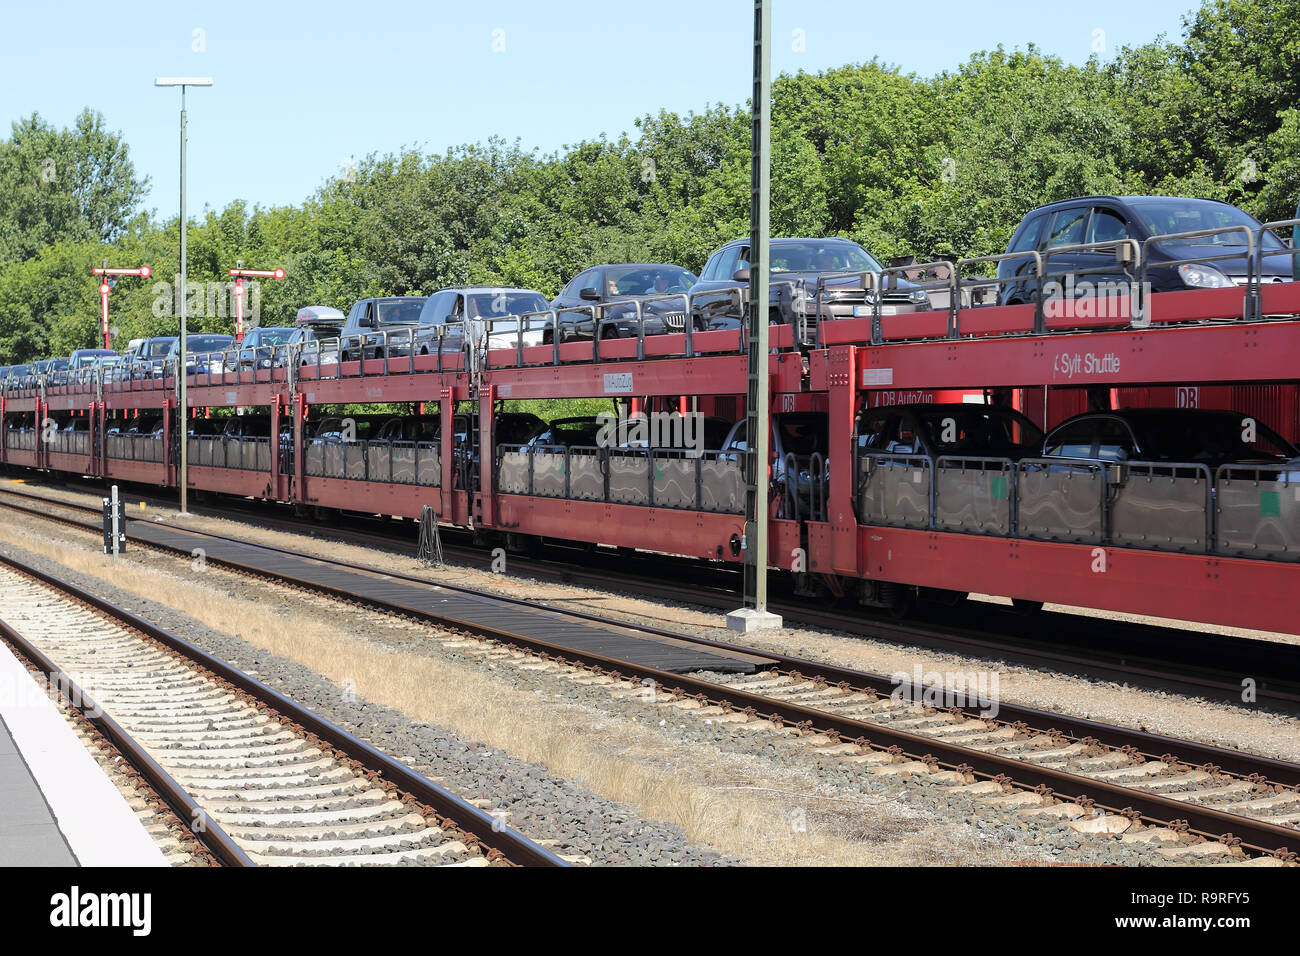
(209, 833)
(1186, 676)
(1255, 835)
(509, 843)
(1153, 745)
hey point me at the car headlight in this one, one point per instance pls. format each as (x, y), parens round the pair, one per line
(1200, 276)
(920, 298)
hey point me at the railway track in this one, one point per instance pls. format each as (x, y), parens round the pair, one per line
(1124, 652)
(257, 779)
(1112, 779)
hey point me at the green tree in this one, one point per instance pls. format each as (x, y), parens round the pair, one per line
(64, 185)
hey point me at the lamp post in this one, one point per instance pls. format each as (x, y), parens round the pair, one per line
(755, 615)
(183, 82)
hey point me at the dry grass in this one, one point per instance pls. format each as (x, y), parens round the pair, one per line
(731, 802)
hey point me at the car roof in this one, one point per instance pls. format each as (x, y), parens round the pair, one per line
(485, 288)
(638, 265)
(786, 240)
(1135, 200)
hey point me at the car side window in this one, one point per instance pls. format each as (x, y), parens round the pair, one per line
(727, 265)
(579, 282)
(456, 308)
(1067, 228)
(1073, 441)
(1114, 441)
(710, 271)
(738, 441)
(1030, 236)
(1106, 226)
(904, 440)
(874, 433)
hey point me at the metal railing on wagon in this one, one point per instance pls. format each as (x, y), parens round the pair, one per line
(1241, 510)
(395, 462)
(652, 477)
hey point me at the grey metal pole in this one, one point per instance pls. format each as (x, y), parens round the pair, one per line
(758, 430)
(180, 364)
(754, 614)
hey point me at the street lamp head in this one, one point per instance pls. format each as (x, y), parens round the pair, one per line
(183, 81)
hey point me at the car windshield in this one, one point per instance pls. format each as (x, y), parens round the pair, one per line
(515, 430)
(492, 304)
(1210, 437)
(582, 433)
(400, 311)
(822, 257)
(972, 430)
(1164, 217)
(205, 343)
(803, 434)
(647, 280)
(90, 358)
(275, 336)
(157, 348)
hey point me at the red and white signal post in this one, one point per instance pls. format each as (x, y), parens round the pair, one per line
(240, 274)
(108, 279)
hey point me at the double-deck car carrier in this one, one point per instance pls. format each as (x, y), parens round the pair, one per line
(1173, 539)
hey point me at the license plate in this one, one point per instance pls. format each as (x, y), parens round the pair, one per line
(862, 311)
(889, 310)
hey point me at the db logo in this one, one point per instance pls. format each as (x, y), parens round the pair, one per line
(1187, 397)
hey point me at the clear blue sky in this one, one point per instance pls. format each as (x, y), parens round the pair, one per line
(300, 87)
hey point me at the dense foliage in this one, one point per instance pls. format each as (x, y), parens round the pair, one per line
(904, 164)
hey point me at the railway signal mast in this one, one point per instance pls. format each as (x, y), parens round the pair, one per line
(240, 274)
(755, 615)
(108, 279)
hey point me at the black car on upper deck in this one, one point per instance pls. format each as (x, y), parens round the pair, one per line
(609, 295)
(1087, 220)
(373, 324)
(796, 266)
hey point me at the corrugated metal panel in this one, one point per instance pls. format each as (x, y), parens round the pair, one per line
(1060, 404)
(1277, 406)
